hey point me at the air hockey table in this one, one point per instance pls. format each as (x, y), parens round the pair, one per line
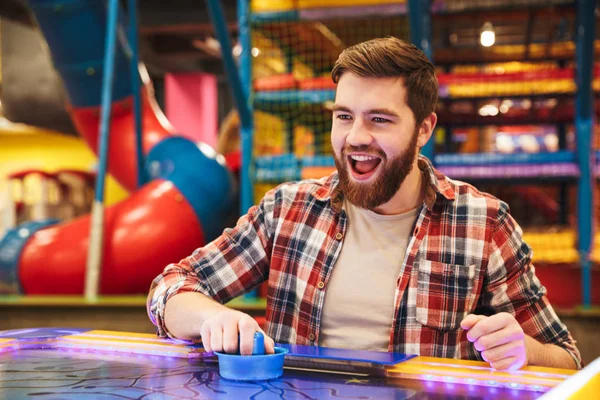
(53, 363)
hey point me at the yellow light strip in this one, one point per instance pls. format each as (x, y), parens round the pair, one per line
(474, 372)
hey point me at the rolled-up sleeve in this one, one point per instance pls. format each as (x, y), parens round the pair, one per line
(231, 265)
(512, 286)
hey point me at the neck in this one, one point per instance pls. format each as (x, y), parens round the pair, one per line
(408, 197)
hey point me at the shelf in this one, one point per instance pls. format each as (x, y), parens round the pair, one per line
(444, 7)
(286, 98)
(324, 13)
(495, 159)
(559, 166)
(441, 8)
(544, 173)
(536, 96)
(278, 98)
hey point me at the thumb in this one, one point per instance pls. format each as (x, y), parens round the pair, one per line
(470, 320)
(269, 343)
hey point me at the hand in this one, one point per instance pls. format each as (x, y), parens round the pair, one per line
(499, 338)
(220, 333)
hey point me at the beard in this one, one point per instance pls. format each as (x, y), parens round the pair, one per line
(393, 172)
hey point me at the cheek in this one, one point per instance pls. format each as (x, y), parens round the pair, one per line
(338, 139)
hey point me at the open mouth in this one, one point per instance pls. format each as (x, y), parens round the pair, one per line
(363, 166)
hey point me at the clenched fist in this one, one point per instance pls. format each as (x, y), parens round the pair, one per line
(220, 333)
(499, 338)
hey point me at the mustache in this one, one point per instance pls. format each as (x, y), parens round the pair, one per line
(363, 149)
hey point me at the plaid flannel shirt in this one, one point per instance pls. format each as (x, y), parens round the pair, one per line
(465, 255)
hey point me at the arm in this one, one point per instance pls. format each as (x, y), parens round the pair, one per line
(503, 344)
(548, 355)
(231, 265)
(524, 328)
(190, 315)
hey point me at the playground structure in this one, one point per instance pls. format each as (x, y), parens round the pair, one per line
(517, 118)
(517, 115)
(181, 191)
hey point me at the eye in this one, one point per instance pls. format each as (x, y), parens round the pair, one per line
(380, 120)
(344, 117)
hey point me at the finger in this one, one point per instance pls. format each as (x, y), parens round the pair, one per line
(247, 328)
(470, 320)
(216, 338)
(205, 334)
(269, 344)
(503, 351)
(230, 337)
(487, 326)
(498, 338)
(505, 364)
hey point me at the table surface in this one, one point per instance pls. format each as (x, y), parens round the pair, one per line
(60, 374)
(60, 363)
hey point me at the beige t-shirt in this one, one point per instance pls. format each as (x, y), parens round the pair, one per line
(359, 297)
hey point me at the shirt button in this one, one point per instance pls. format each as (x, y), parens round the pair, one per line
(321, 285)
(339, 236)
(311, 336)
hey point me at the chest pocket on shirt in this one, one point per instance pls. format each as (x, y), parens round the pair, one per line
(444, 293)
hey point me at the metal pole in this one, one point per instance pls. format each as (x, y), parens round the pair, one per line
(135, 87)
(584, 125)
(94, 259)
(240, 86)
(419, 13)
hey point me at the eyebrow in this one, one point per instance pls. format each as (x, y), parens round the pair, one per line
(382, 111)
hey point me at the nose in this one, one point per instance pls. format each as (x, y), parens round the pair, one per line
(358, 135)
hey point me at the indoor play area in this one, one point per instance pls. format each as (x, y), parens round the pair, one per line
(134, 132)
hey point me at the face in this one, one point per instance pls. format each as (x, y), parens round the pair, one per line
(374, 137)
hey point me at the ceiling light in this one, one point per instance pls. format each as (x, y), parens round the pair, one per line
(488, 35)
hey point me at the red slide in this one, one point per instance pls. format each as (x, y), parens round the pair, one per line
(184, 204)
(142, 234)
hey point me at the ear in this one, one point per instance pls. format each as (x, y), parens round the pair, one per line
(426, 129)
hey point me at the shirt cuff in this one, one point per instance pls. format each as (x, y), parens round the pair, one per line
(160, 296)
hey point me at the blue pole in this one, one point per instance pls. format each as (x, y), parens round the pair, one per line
(419, 14)
(584, 125)
(94, 259)
(135, 87)
(247, 130)
(240, 86)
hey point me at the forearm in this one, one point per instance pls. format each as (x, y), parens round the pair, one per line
(548, 355)
(186, 312)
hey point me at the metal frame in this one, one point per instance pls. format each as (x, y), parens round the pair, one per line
(240, 86)
(96, 247)
(584, 127)
(419, 13)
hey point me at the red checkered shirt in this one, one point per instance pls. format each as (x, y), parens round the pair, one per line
(466, 255)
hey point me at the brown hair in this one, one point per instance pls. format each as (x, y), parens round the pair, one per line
(391, 57)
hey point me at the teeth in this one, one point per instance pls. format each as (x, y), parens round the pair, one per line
(363, 158)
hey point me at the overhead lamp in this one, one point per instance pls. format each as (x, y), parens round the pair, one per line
(488, 35)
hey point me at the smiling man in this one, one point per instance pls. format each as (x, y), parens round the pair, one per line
(385, 254)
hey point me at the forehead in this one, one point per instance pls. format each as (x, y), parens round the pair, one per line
(357, 92)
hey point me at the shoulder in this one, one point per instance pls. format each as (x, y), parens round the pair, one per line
(469, 199)
(302, 192)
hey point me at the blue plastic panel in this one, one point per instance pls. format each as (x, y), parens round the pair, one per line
(75, 31)
(204, 181)
(328, 353)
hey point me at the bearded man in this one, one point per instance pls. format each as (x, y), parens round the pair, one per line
(385, 254)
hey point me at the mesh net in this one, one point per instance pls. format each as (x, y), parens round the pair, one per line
(506, 111)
